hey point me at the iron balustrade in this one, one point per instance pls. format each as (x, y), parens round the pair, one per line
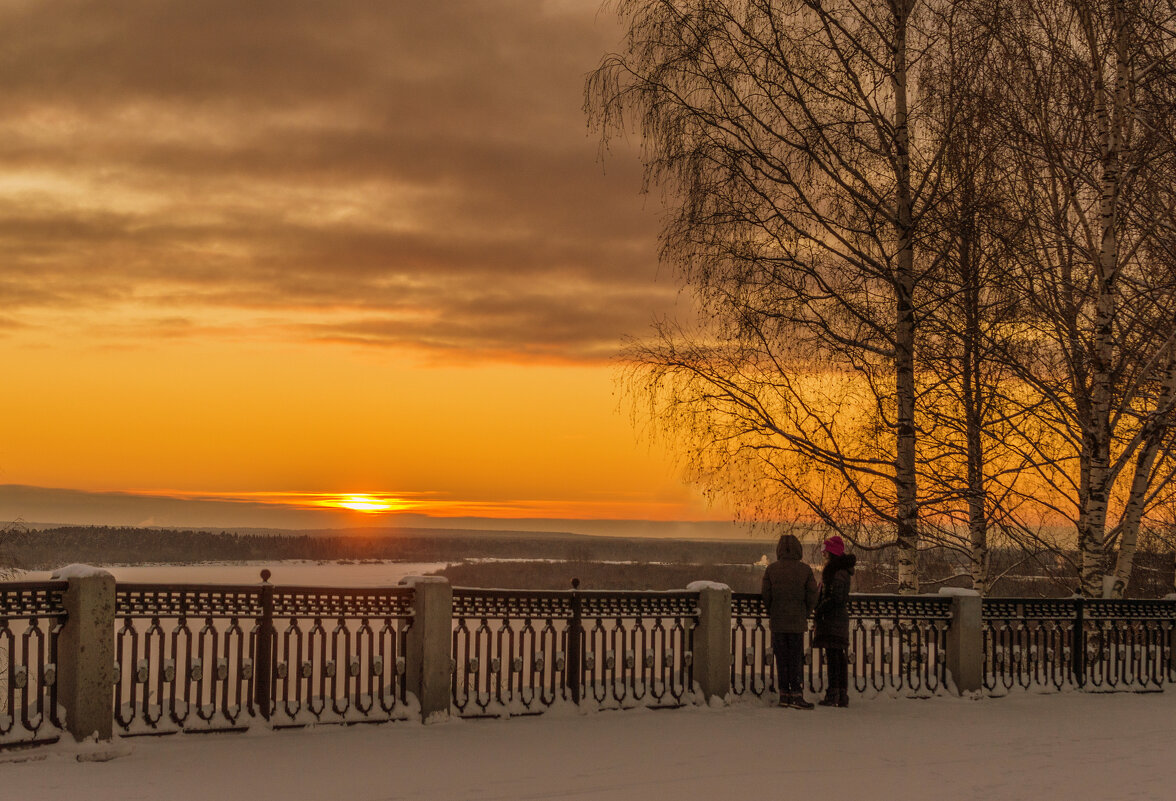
(216, 657)
(896, 644)
(339, 654)
(1077, 643)
(753, 666)
(185, 656)
(31, 616)
(213, 657)
(521, 651)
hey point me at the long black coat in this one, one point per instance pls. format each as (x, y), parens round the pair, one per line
(831, 617)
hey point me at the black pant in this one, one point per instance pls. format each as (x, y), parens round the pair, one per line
(789, 650)
(837, 665)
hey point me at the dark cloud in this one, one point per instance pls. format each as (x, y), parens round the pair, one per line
(396, 173)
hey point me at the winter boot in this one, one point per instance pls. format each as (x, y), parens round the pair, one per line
(832, 696)
(843, 698)
(797, 702)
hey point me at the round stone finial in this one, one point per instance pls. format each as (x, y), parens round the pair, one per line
(265, 574)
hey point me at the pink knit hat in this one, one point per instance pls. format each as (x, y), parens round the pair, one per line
(834, 545)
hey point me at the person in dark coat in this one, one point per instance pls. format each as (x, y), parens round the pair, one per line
(831, 620)
(790, 594)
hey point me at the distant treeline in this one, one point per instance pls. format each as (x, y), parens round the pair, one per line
(629, 563)
(598, 576)
(49, 548)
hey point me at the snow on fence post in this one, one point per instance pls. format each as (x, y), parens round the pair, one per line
(428, 653)
(965, 640)
(85, 652)
(712, 641)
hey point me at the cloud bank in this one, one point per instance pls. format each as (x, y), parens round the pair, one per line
(389, 174)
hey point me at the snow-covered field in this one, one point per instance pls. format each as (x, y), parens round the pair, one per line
(1070, 746)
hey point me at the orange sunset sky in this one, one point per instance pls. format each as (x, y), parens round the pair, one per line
(261, 256)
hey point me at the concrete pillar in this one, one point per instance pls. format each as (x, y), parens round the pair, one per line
(427, 669)
(712, 641)
(965, 642)
(85, 653)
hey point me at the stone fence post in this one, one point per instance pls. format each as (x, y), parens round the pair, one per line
(428, 667)
(712, 641)
(85, 652)
(965, 641)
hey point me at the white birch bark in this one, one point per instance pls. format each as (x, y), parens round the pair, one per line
(906, 482)
(1152, 436)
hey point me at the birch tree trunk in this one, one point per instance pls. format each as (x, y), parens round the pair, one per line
(1154, 430)
(906, 481)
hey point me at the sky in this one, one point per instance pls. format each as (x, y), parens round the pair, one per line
(290, 254)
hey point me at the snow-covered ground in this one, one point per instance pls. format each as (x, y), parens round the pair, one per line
(1071, 746)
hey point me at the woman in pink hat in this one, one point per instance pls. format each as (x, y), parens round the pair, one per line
(831, 620)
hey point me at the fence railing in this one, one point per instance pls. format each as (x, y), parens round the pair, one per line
(216, 657)
(895, 644)
(210, 657)
(31, 616)
(1078, 643)
(520, 652)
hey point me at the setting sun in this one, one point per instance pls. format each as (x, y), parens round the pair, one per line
(365, 503)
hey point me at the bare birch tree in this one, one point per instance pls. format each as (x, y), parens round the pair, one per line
(1088, 132)
(799, 168)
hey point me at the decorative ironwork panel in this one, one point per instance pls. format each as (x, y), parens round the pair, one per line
(188, 600)
(900, 607)
(394, 602)
(31, 617)
(339, 654)
(1078, 643)
(639, 604)
(511, 603)
(508, 664)
(638, 649)
(208, 657)
(753, 664)
(520, 652)
(185, 657)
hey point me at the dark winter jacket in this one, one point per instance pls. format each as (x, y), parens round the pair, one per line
(789, 589)
(831, 617)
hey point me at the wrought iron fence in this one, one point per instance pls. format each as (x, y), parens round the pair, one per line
(215, 657)
(339, 654)
(753, 666)
(185, 656)
(1077, 643)
(896, 644)
(520, 652)
(31, 615)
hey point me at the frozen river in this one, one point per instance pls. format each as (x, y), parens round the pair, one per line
(295, 572)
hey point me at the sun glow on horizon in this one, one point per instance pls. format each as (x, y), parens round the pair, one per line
(365, 503)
